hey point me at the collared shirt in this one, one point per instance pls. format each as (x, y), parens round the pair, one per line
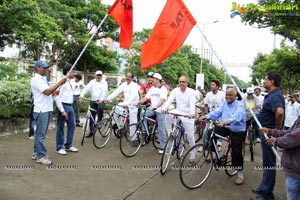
(272, 101)
(77, 86)
(98, 90)
(253, 103)
(185, 101)
(214, 100)
(291, 113)
(65, 95)
(42, 103)
(156, 94)
(131, 93)
(234, 112)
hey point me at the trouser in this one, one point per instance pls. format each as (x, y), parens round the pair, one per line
(237, 140)
(188, 125)
(99, 107)
(42, 121)
(76, 106)
(60, 128)
(269, 173)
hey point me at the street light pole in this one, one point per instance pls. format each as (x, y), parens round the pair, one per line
(202, 45)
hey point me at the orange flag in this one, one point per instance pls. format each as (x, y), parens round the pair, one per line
(121, 11)
(170, 31)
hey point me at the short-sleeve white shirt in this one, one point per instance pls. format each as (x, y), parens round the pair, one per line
(156, 94)
(42, 103)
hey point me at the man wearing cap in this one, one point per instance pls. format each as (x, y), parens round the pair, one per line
(65, 114)
(98, 88)
(147, 85)
(251, 102)
(77, 85)
(43, 107)
(158, 95)
(292, 111)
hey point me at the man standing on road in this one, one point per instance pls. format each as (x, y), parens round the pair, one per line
(65, 114)
(292, 112)
(98, 88)
(289, 141)
(271, 116)
(43, 107)
(77, 85)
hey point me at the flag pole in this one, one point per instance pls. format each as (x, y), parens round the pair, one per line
(237, 88)
(86, 45)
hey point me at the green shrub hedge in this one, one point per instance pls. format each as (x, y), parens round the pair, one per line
(15, 99)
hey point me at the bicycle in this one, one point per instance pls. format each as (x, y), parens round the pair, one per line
(107, 125)
(176, 142)
(98, 127)
(199, 126)
(130, 144)
(193, 174)
(251, 138)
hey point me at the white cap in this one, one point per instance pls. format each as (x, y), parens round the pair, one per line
(98, 73)
(157, 75)
(250, 91)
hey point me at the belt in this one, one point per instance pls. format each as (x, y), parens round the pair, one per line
(76, 95)
(67, 104)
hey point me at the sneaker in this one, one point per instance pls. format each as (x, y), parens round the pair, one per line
(78, 125)
(61, 152)
(72, 149)
(44, 161)
(161, 151)
(31, 138)
(34, 157)
(135, 143)
(89, 135)
(257, 140)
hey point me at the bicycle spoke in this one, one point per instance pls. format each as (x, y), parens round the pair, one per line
(130, 143)
(167, 154)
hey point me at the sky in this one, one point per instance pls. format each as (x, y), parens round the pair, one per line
(232, 40)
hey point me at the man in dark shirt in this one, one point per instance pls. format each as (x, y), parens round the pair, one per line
(271, 116)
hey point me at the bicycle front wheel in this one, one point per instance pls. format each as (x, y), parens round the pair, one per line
(155, 140)
(167, 154)
(102, 134)
(194, 173)
(198, 130)
(229, 169)
(85, 128)
(130, 140)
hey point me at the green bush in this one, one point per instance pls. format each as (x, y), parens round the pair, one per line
(15, 98)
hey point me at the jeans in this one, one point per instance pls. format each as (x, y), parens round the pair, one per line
(76, 106)
(60, 128)
(269, 173)
(42, 121)
(31, 123)
(292, 188)
(99, 107)
(160, 118)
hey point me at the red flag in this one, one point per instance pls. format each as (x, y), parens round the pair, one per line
(170, 31)
(121, 11)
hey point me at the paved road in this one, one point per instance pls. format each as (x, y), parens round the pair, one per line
(105, 174)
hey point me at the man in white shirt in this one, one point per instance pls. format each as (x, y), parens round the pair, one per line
(158, 95)
(185, 105)
(130, 89)
(43, 107)
(213, 100)
(65, 114)
(77, 85)
(257, 92)
(292, 111)
(98, 88)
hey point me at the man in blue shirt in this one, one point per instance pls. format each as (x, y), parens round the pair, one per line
(271, 116)
(232, 116)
